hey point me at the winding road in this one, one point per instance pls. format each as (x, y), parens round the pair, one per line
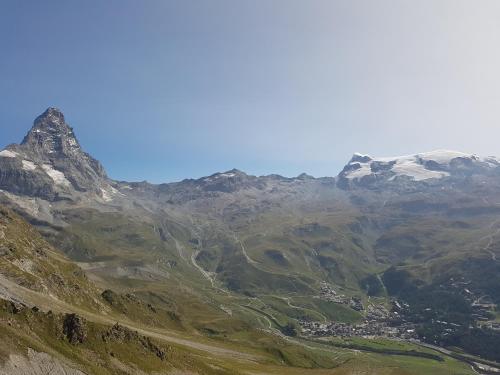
(491, 238)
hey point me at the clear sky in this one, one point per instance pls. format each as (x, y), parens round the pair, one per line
(163, 90)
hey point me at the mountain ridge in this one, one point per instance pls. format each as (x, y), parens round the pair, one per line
(52, 139)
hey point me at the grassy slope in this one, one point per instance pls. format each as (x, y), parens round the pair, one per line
(30, 261)
(175, 329)
(43, 332)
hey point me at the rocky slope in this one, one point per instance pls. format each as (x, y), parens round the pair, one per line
(27, 260)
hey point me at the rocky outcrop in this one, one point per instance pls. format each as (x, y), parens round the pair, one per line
(119, 333)
(74, 329)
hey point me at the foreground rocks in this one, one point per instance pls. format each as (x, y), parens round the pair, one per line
(74, 329)
(122, 334)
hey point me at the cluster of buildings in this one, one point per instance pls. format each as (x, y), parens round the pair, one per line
(482, 308)
(380, 322)
(367, 329)
(492, 325)
(376, 323)
(327, 293)
(377, 313)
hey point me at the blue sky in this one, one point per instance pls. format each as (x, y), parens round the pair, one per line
(165, 90)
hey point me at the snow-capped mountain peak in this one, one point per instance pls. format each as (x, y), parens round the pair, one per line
(416, 167)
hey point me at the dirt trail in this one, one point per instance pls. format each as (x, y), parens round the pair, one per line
(49, 302)
(205, 274)
(491, 238)
(244, 251)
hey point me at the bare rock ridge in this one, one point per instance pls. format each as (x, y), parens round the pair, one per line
(49, 163)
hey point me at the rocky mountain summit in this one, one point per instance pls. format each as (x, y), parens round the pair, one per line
(49, 163)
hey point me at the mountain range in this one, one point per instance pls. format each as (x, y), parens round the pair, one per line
(235, 262)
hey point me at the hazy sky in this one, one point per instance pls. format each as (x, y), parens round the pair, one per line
(163, 90)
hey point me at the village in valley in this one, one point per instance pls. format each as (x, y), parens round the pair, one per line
(378, 322)
(382, 322)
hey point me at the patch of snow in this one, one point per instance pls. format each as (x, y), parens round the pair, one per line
(365, 170)
(219, 175)
(109, 193)
(8, 154)
(413, 165)
(492, 161)
(230, 174)
(361, 155)
(57, 176)
(116, 191)
(438, 156)
(28, 165)
(411, 168)
(106, 195)
(445, 156)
